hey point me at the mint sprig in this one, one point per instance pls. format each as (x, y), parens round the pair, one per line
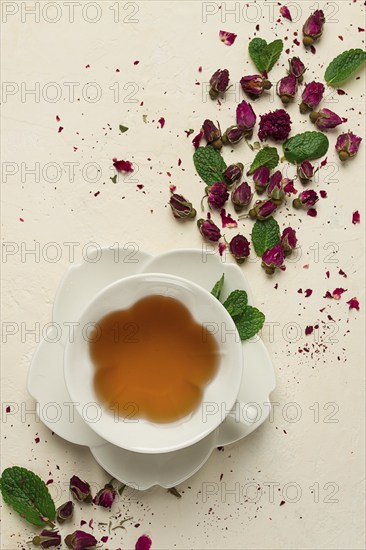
(305, 146)
(28, 495)
(265, 55)
(268, 156)
(265, 235)
(209, 164)
(344, 65)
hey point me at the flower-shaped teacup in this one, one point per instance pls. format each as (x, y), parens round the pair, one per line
(140, 434)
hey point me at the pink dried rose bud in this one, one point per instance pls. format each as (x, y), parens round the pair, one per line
(297, 68)
(143, 543)
(233, 173)
(313, 28)
(306, 199)
(241, 196)
(287, 88)
(228, 38)
(285, 12)
(219, 83)
(305, 171)
(275, 190)
(47, 539)
(217, 194)
(239, 248)
(347, 145)
(325, 119)
(209, 229)
(233, 135)
(261, 179)
(80, 540)
(273, 259)
(262, 210)
(181, 208)
(275, 124)
(65, 511)
(311, 96)
(254, 85)
(80, 490)
(105, 497)
(288, 240)
(245, 118)
(212, 134)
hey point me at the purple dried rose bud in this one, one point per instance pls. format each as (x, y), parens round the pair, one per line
(79, 540)
(305, 171)
(233, 173)
(254, 85)
(347, 145)
(325, 119)
(276, 124)
(288, 240)
(246, 118)
(297, 68)
(306, 199)
(80, 489)
(233, 135)
(219, 83)
(209, 229)
(287, 88)
(105, 497)
(261, 179)
(275, 190)
(262, 210)
(311, 96)
(181, 208)
(239, 248)
(212, 134)
(285, 12)
(47, 539)
(65, 511)
(313, 28)
(273, 258)
(217, 194)
(241, 196)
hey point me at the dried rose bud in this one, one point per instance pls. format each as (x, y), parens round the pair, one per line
(219, 83)
(246, 118)
(143, 543)
(297, 68)
(233, 135)
(305, 171)
(254, 85)
(233, 173)
(287, 88)
(313, 27)
(209, 229)
(347, 145)
(306, 199)
(217, 194)
(311, 96)
(80, 489)
(288, 240)
(181, 208)
(105, 497)
(273, 258)
(79, 540)
(275, 190)
(239, 248)
(262, 210)
(276, 124)
(47, 539)
(241, 196)
(325, 119)
(285, 12)
(212, 134)
(65, 511)
(261, 179)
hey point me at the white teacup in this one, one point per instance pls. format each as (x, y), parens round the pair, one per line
(138, 434)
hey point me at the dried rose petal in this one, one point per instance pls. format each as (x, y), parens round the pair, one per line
(227, 220)
(228, 38)
(196, 140)
(122, 165)
(312, 212)
(356, 218)
(285, 12)
(337, 293)
(143, 543)
(353, 304)
(288, 186)
(222, 247)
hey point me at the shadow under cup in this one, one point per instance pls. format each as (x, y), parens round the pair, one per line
(140, 434)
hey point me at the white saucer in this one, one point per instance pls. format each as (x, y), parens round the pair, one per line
(138, 470)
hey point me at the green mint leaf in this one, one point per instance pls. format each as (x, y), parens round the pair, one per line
(209, 164)
(344, 65)
(264, 55)
(122, 128)
(28, 495)
(268, 156)
(265, 234)
(216, 291)
(306, 146)
(114, 178)
(236, 302)
(250, 322)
